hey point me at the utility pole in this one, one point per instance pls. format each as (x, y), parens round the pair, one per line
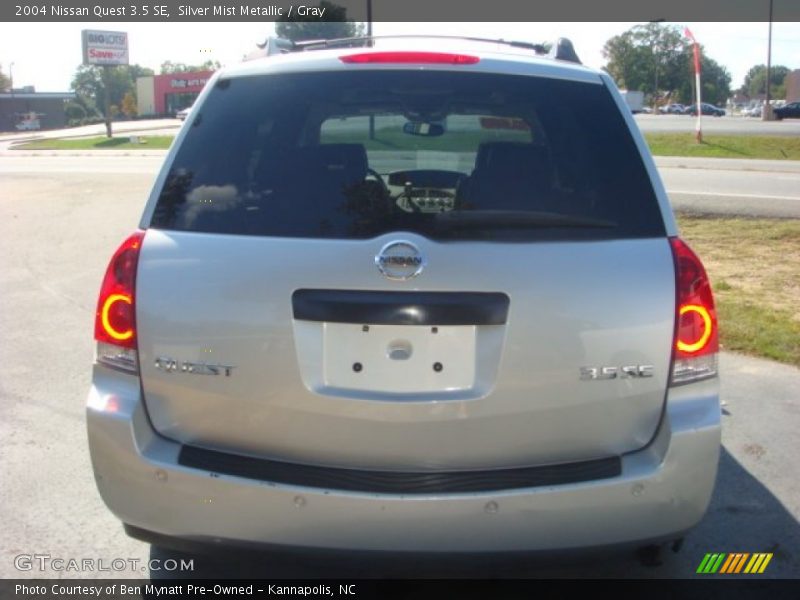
(655, 91)
(369, 36)
(107, 88)
(656, 32)
(766, 114)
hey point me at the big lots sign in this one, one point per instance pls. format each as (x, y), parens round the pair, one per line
(104, 47)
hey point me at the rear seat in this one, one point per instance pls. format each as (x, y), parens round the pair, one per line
(509, 176)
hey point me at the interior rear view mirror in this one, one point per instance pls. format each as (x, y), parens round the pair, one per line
(422, 128)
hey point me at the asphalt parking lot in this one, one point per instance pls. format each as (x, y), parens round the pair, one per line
(57, 231)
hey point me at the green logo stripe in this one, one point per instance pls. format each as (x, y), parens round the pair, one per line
(710, 564)
(701, 568)
(712, 560)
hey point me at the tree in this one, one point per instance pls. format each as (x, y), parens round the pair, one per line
(626, 62)
(647, 58)
(657, 59)
(91, 93)
(74, 111)
(129, 105)
(5, 82)
(333, 25)
(715, 79)
(168, 67)
(756, 79)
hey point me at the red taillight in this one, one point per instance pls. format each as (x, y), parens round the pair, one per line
(696, 331)
(410, 57)
(115, 320)
(695, 328)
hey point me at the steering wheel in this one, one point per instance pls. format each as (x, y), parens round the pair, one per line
(410, 203)
(379, 179)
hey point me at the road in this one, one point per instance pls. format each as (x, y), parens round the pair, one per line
(757, 188)
(724, 186)
(717, 125)
(60, 220)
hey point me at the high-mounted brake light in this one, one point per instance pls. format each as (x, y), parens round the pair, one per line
(115, 320)
(696, 331)
(406, 57)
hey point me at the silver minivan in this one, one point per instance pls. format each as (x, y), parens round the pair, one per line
(413, 284)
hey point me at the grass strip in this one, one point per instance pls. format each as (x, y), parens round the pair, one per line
(155, 142)
(661, 144)
(754, 266)
(724, 146)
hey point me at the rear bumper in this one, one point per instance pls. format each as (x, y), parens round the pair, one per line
(663, 490)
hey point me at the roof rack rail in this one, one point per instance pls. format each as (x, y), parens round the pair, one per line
(561, 50)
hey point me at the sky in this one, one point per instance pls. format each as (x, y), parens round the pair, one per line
(46, 55)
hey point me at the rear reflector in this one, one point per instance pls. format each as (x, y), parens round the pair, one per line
(696, 341)
(410, 57)
(115, 320)
(126, 359)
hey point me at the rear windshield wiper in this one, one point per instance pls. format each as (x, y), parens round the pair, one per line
(491, 219)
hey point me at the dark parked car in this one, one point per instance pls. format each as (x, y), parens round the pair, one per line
(708, 109)
(789, 111)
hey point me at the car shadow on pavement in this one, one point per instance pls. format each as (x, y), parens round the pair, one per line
(744, 516)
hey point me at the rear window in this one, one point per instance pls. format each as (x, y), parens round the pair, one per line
(448, 155)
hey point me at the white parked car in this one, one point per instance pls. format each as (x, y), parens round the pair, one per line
(183, 113)
(672, 109)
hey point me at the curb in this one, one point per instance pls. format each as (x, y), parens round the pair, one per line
(83, 153)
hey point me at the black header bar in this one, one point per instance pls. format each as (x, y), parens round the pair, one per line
(119, 11)
(384, 588)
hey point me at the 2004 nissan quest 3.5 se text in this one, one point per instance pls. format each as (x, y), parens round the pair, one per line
(413, 284)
